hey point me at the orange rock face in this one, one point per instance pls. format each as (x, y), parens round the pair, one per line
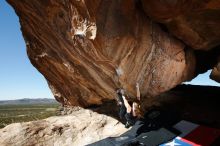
(86, 49)
(195, 22)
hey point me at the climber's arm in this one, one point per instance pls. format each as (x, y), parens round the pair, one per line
(128, 107)
(138, 92)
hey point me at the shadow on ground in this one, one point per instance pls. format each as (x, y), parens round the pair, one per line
(198, 104)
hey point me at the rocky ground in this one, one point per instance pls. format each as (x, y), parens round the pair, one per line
(79, 128)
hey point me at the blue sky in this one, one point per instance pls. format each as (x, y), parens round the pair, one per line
(203, 79)
(18, 78)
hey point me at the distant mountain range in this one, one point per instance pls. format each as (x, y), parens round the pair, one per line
(29, 101)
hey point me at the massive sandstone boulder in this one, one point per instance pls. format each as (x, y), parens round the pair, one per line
(86, 49)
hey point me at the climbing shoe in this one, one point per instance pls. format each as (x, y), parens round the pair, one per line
(127, 125)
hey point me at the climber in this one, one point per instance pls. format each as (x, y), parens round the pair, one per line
(124, 109)
(126, 112)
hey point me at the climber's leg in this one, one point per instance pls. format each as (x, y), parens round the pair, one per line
(122, 112)
(122, 108)
(130, 120)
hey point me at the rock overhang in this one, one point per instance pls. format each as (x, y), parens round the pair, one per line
(88, 49)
